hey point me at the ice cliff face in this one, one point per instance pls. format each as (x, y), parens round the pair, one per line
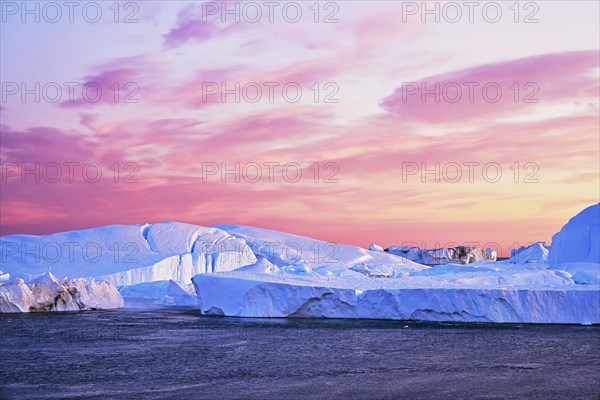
(462, 297)
(449, 255)
(167, 293)
(578, 240)
(47, 293)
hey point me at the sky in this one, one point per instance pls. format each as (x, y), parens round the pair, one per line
(354, 122)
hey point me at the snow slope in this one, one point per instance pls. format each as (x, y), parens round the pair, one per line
(282, 249)
(46, 293)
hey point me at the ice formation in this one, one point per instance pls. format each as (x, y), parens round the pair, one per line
(479, 292)
(283, 249)
(459, 254)
(374, 247)
(578, 240)
(553, 299)
(523, 289)
(46, 293)
(168, 292)
(126, 254)
(253, 272)
(535, 253)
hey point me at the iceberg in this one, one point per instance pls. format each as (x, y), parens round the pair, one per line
(244, 271)
(579, 239)
(543, 297)
(46, 293)
(535, 253)
(575, 249)
(464, 284)
(125, 254)
(374, 247)
(168, 293)
(282, 249)
(459, 254)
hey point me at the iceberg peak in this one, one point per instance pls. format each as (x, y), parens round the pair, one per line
(579, 239)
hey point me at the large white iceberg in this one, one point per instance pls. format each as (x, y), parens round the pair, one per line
(125, 254)
(492, 296)
(151, 261)
(575, 248)
(579, 239)
(46, 293)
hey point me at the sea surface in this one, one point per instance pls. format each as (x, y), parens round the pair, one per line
(174, 353)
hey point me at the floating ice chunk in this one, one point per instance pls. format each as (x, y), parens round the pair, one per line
(236, 294)
(167, 292)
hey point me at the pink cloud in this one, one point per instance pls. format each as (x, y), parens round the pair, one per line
(110, 87)
(43, 145)
(207, 88)
(373, 31)
(39, 148)
(542, 80)
(553, 144)
(121, 82)
(200, 22)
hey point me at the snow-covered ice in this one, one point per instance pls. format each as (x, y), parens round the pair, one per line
(125, 254)
(535, 253)
(482, 293)
(374, 247)
(283, 249)
(254, 272)
(578, 240)
(525, 288)
(46, 293)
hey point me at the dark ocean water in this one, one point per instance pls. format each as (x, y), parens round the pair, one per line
(177, 354)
